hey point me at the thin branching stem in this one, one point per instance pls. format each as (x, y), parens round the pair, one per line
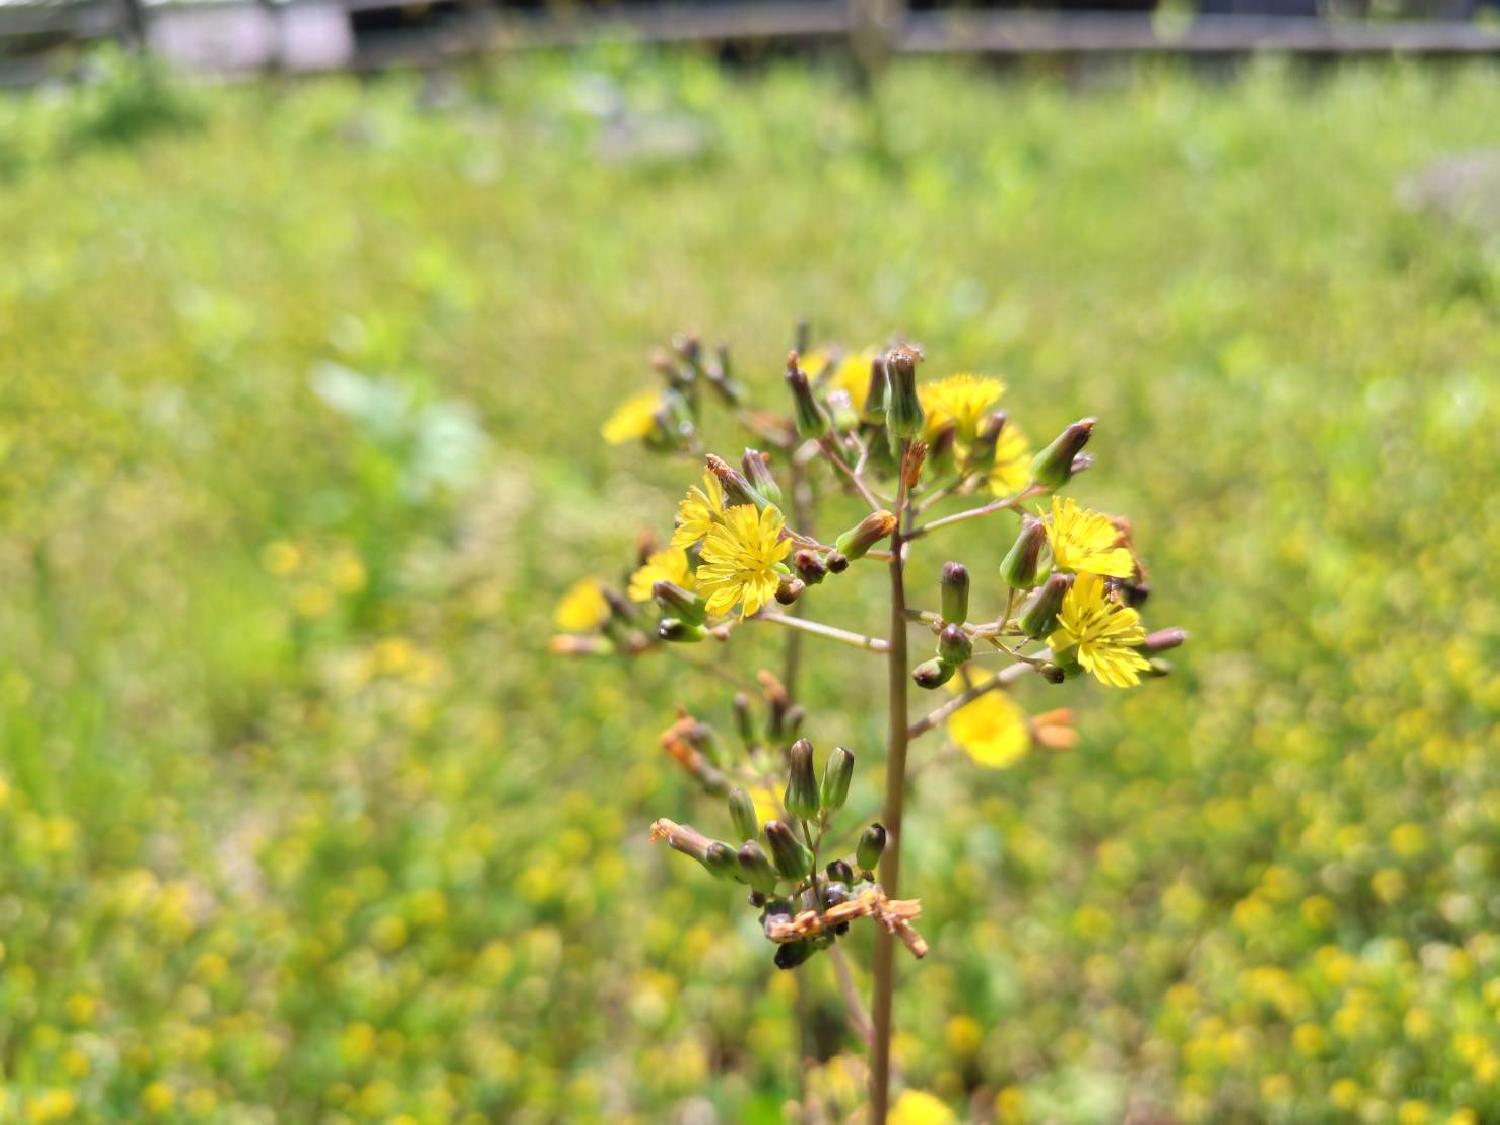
(833, 633)
(1000, 679)
(1001, 504)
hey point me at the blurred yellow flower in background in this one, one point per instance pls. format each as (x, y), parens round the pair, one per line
(960, 400)
(1103, 632)
(917, 1107)
(852, 374)
(740, 557)
(582, 608)
(634, 419)
(670, 564)
(991, 730)
(1084, 540)
(1012, 471)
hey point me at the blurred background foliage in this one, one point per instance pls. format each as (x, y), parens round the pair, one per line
(300, 388)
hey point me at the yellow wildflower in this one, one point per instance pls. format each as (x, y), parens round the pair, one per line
(1086, 541)
(667, 565)
(918, 1107)
(698, 511)
(739, 559)
(962, 400)
(852, 374)
(634, 419)
(1103, 631)
(767, 804)
(991, 730)
(582, 609)
(1012, 471)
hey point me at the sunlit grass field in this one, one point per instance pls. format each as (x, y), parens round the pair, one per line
(300, 394)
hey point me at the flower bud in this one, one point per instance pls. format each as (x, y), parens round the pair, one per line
(1052, 673)
(903, 411)
(857, 541)
(809, 566)
(1054, 465)
(744, 721)
(757, 466)
(802, 784)
(789, 589)
(840, 872)
(1163, 639)
(837, 563)
(790, 855)
(737, 490)
(811, 421)
(871, 844)
(795, 714)
(721, 861)
(756, 867)
(841, 408)
(955, 593)
(679, 603)
(677, 631)
(1019, 567)
(838, 772)
(933, 673)
(875, 394)
(982, 449)
(742, 813)
(790, 954)
(1039, 616)
(721, 377)
(954, 646)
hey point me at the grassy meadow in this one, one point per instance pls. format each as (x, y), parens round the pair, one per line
(300, 396)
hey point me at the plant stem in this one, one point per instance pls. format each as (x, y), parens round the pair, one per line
(983, 510)
(998, 680)
(895, 797)
(833, 633)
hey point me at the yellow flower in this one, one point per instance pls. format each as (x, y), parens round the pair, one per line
(917, 1107)
(739, 559)
(962, 400)
(991, 730)
(1086, 541)
(767, 804)
(698, 511)
(634, 419)
(1104, 633)
(582, 609)
(1012, 471)
(852, 374)
(667, 565)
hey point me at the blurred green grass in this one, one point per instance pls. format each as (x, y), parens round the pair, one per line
(299, 821)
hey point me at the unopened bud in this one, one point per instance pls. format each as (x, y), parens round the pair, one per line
(841, 409)
(837, 563)
(857, 541)
(933, 673)
(810, 566)
(840, 872)
(1019, 567)
(801, 797)
(721, 861)
(1082, 463)
(875, 394)
(620, 609)
(790, 954)
(737, 489)
(955, 593)
(954, 646)
(1054, 465)
(795, 714)
(838, 772)
(679, 603)
(744, 721)
(677, 631)
(1039, 617)
(1052, 673)
(811, 421)
(721, 378)
(871, 844)
(982, 449)
(757, 466)
(756, 867)
(789, 589)
(790, 856)
(742, 813)
(1163, 639)
(903, 411)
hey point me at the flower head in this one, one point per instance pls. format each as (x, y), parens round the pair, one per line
(991, 730)
(1103, 632)
(739, 559)
(852, 374)
(918, 1107)
(582, 609)
(634, 419)
(698, 511)
(960, 400)
(1086, 542)
(667, 565)
(1012, 471)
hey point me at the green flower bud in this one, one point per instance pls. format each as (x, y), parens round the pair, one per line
(795, 714)
(679, 603)
(742, 813)
(721, 861)
(982, 449)
(1039, 616)
(680, 632)
(858, 540)
(744, 719)
(1019, 567)
(840, 872)
(802, 785)
(838, 772)
(793, 953)
(756, 867)
(871, 844)
(875, 395)
(791, 857)
(955, 593)
(737, 490)
(757, 466)
(954, 646)
(933, 673)
(1053, 466)
(811, 421)
(903, 411)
